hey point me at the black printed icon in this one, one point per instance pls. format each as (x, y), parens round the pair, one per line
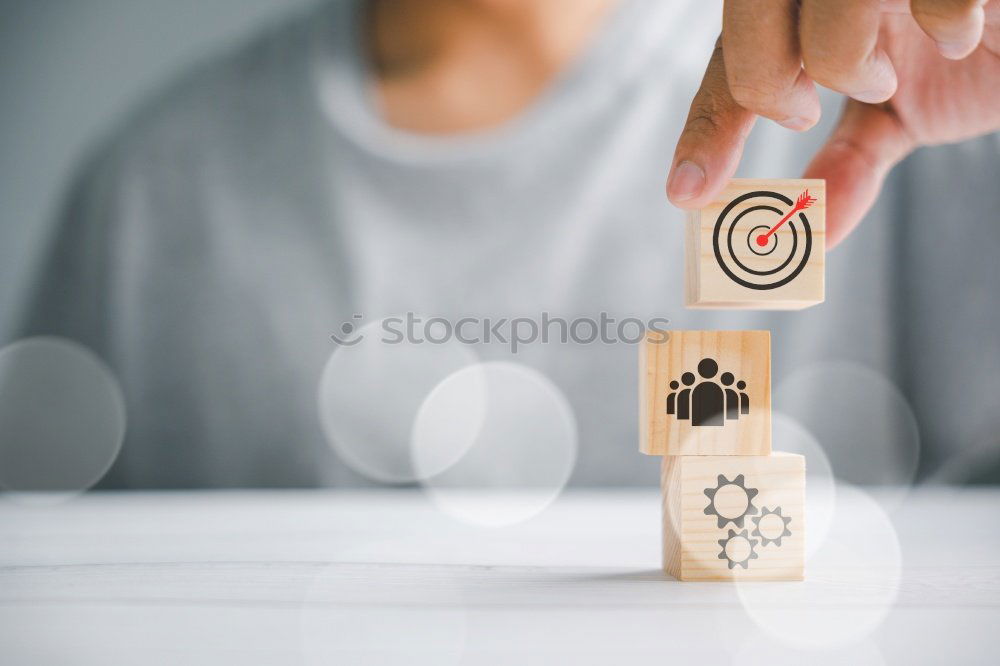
(709, 402)
(747, 246)
(771, 526)
(738, 549)
(732, 502)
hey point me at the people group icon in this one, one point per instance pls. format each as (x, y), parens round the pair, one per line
(707, 402)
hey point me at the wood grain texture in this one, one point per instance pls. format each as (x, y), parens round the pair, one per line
(670, 493)
(708, 286)
(691, 537)
(666, 356)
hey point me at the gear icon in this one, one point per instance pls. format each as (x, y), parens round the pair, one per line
(730, 501)
(738, 549)
(771, 526)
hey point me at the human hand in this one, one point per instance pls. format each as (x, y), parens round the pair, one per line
(916, 72)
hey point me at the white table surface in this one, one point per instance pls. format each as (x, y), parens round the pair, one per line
(384, 577)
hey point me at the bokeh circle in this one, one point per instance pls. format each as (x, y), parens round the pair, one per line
(517, 453)
(62, 417)
(851, 582)
(790, 436)
(864, 422)
(371, 390)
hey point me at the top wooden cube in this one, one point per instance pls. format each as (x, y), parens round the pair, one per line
(759, 245)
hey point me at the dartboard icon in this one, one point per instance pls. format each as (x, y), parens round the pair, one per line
(762, 240)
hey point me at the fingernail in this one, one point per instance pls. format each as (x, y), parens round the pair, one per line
(955, 50)
(872, 96)
(796, 123)
(687, 182)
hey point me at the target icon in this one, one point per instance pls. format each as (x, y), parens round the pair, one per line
(762, 240)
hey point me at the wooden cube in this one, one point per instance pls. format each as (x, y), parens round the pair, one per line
(705, 393)
(759, 245)
(734, 517)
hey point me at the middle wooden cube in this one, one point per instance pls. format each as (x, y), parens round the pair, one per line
(705, 393)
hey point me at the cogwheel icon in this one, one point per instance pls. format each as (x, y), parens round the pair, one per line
(771, 526)
(730, 501)
(738, 548)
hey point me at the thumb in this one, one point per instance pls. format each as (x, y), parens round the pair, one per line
(868, 141)
(711, 142)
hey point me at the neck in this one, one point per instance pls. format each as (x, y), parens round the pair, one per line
(446, 66)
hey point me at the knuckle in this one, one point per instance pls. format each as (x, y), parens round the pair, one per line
(832, 71)
(758, 95)
(942, 12)
(701, 122)
(706, 111)
(952, 21)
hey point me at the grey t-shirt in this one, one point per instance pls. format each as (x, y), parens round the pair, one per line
(212, 248)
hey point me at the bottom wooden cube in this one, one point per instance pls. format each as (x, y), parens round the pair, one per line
(734, 517)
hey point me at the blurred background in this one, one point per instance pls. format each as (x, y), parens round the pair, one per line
(198, 195)
(72, 71)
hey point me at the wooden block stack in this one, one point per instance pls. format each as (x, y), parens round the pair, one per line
(732, 508)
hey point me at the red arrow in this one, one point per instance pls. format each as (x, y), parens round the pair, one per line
(803, 202)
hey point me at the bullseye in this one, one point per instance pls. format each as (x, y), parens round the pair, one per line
(753, 241)
(776, 239)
